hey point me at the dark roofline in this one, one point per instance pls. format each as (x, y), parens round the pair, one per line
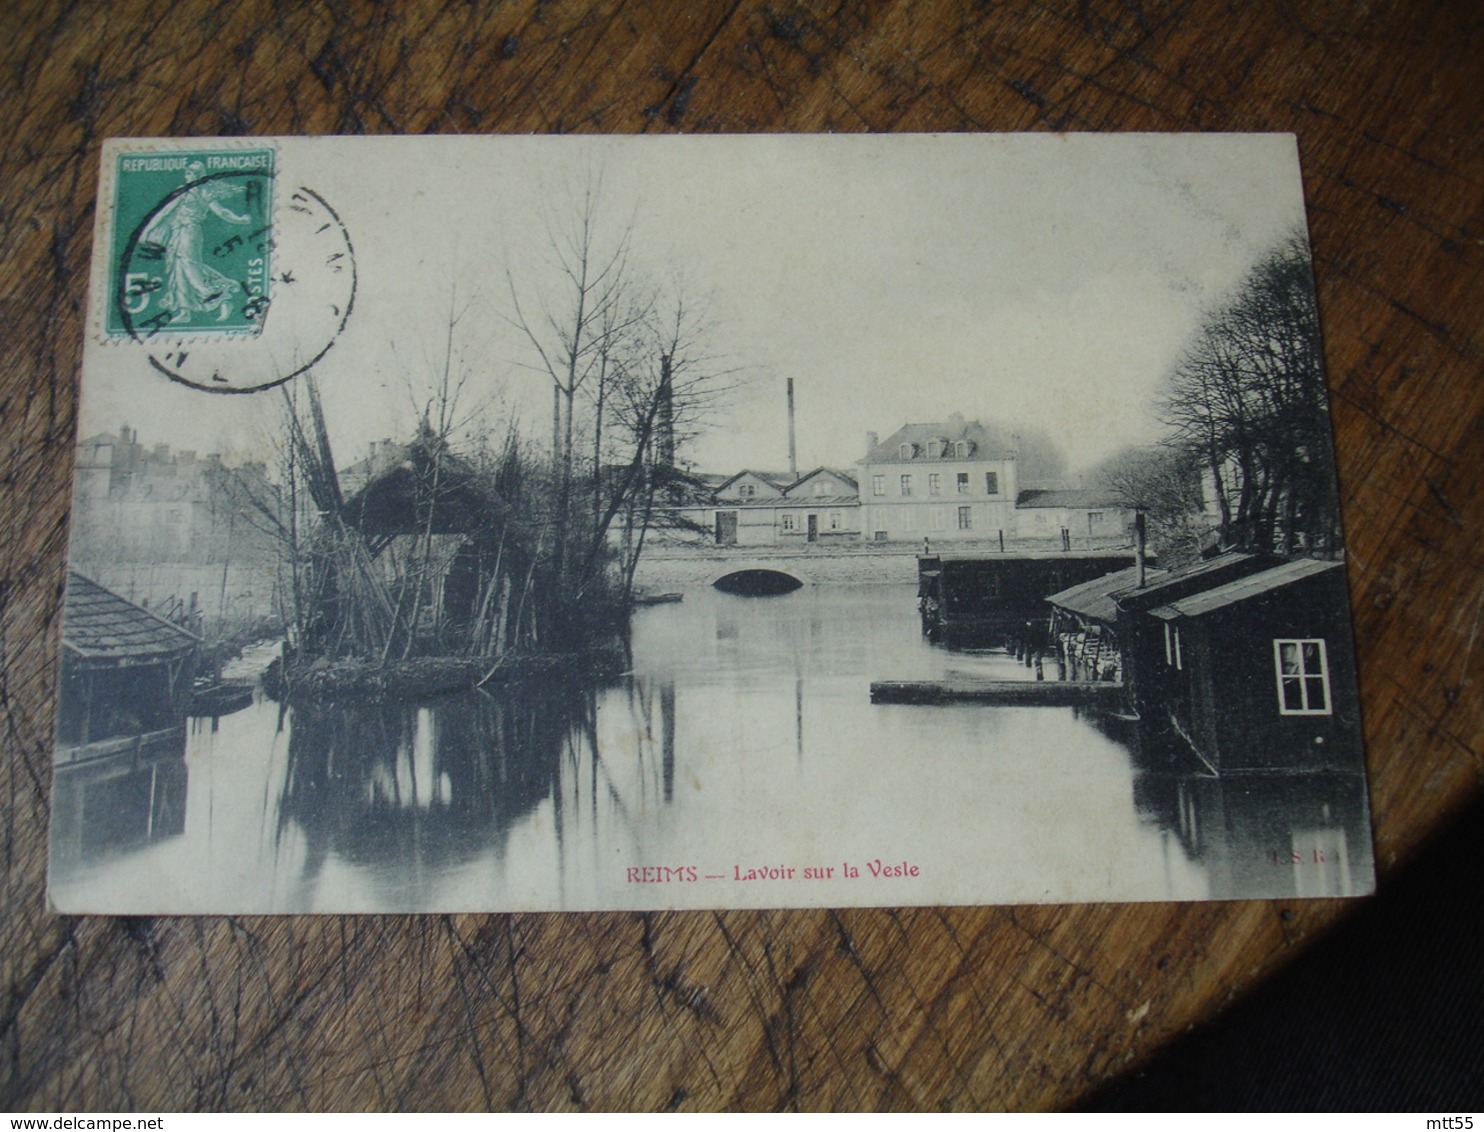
(1233, 563)
(846, 476)
(1074, 497)
(89, 653)
(773, 481)
(1246, 589)
(1097, 598)
(1025, 554)
(991, 443)
(102, 438)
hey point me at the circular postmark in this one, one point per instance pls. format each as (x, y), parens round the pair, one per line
(184, 271)
(225, 288)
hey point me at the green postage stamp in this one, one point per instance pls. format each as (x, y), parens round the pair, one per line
(192, 243)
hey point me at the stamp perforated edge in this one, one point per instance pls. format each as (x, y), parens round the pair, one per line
(105, 219)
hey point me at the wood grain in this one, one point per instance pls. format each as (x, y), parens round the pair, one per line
(923, 1008)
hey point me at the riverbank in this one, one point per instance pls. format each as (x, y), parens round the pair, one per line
(425, 677)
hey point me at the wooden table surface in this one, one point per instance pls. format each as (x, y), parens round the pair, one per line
(920, 1008)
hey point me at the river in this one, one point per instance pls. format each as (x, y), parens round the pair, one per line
(739, 764)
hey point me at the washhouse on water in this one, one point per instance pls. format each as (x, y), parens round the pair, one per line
(1247, 657)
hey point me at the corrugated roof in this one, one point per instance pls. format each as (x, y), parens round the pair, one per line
(1095, 598)
(803, 502)
(1080, 497)
(99, 625)
(818, 501)
(1245, 589)
(1230, 565)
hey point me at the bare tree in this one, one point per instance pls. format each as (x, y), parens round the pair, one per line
(573, 325)
(1248, 401)
(1163, 482)
(631, 364)
(671, 386)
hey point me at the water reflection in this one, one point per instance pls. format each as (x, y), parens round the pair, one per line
(743, 736)
(133, 796)
(379, 785)
(1285, 835)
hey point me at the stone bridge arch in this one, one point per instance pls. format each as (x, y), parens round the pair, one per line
(784, 568)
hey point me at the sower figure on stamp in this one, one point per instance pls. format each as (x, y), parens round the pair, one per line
(192, 284)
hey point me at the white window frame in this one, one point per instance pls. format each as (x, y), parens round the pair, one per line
(906, 484)
(961, 481)
(935, 483)
(906, 451)
(1302, 677)
(961, 449)
(788, 521)
(878, 485)
(834, 520)
(1173, 655)
(966, 518)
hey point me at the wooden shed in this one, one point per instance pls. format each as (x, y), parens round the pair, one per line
(993, 600)
(1085, 626)
(436, 528)
(126, 672)
(1142, 638)
(1259, 673)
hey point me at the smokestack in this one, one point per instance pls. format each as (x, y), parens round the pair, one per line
(666, 414)
(793, 457)
(1139, 549)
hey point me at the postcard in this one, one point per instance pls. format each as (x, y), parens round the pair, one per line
(515, 523)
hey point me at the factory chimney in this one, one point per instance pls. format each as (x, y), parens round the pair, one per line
(793, 455)
(666, 422)
(1139, 555)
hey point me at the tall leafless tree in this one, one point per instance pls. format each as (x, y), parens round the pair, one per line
(574, 323)
(1248, 401)
(625, 355)
(670, 389)
(1163, 482)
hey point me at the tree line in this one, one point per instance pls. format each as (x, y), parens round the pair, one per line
(1247, 429)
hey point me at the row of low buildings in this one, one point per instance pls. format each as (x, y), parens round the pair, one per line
(954, 481)
(949, 481)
